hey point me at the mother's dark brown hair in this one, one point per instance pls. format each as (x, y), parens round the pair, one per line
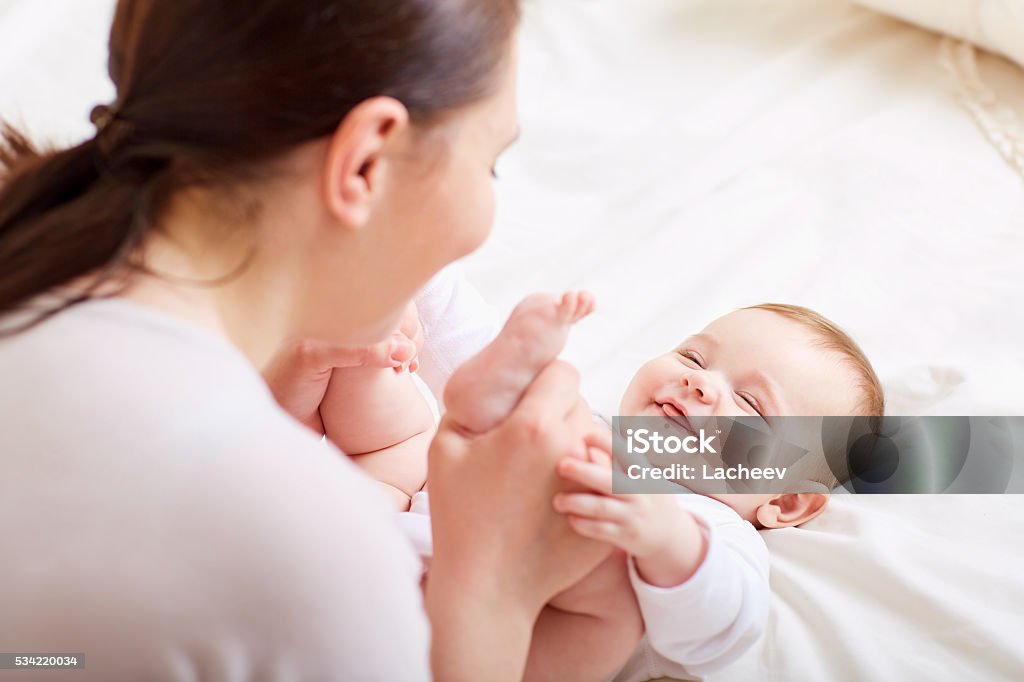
(209, 91)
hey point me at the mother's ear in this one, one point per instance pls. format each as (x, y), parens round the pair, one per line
(790, 509)
(355, 163)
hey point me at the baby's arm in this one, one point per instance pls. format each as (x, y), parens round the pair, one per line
(381, 420)
(709, 621)
(664, 540)
(702, 588)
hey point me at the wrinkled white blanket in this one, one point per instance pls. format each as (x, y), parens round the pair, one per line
(682, 158)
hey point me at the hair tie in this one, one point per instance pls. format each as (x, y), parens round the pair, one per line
(102, 115)
(111, 128)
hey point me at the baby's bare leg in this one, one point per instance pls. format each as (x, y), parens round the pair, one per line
(589, 631)
(486, 388)
(380, 419)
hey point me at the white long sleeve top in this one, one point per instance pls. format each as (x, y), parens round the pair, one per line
(709, 621)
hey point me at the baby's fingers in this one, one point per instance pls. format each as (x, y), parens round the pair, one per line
(596, 477)
(598, 507)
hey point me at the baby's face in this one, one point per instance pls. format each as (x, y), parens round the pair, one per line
(752, 363)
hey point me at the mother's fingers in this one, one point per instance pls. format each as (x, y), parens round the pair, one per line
(300, 371)
(599, 444)
(314, 356)
(389, 353)
(596, 529)
(592, 506)
(596, 477)
(411, 327)
(600, 437)
(599, 457)
(551, 397)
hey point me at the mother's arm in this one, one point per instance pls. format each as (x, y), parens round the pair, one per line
(500, 550)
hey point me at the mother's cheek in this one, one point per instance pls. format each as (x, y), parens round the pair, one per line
(475, 220)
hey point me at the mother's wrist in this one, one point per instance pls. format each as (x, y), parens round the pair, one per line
(501, 588)
(479, 630)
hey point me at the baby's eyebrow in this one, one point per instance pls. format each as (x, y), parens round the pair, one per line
(702, 336)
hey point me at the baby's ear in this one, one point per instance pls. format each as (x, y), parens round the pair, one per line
(791, 509)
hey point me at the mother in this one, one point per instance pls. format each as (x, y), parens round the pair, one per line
(270, 170)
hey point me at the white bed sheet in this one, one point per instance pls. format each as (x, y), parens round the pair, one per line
(684, 158)
(681, 158)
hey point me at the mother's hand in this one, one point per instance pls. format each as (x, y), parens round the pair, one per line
(500, 549)
(299, 373)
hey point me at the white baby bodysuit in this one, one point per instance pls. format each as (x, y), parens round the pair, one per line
(457, 324)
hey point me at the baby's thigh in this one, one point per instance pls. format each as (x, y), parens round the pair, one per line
(605, 591)
(589, 631)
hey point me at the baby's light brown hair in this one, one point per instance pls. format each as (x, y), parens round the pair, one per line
(832, 337)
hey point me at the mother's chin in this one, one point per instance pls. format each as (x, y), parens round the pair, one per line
(378, 330)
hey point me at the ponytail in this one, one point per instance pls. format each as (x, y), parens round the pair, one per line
(62, 217)
(207, 94)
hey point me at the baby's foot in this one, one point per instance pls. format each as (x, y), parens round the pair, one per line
(486, 388)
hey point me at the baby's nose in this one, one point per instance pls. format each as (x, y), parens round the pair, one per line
(701, 386)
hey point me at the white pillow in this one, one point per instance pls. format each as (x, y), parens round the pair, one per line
(996, 25)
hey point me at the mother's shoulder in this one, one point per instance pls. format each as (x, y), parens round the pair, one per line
(150, 462)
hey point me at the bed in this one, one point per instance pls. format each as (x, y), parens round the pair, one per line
(681, 158)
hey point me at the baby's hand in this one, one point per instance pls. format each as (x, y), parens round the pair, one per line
(663, 538)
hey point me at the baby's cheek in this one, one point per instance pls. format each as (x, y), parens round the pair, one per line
(653, 377)
(628, 404)
(638, 394)
(661, 372)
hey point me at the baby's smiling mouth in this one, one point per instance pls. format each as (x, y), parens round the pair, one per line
(676, 413)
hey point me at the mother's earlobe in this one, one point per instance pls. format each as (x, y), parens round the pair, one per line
(356, 160)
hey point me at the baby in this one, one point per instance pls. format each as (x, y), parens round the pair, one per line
(697, 565)
(695, 579)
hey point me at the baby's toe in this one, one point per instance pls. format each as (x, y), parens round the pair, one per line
(587, 303)
(576, 305)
